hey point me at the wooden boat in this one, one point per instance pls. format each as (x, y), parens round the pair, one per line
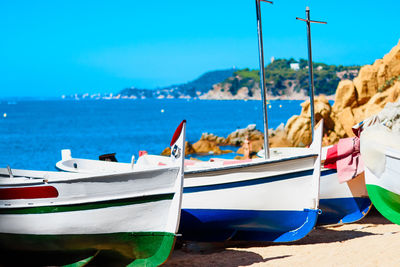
(270, 199)
(380, 150)
(259, 200)
(339, 202)
(56, 218)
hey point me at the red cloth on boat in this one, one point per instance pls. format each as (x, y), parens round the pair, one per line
(349, 165)
(346, 158)
(331, 158)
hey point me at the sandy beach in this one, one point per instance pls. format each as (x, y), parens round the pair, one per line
(373, 241)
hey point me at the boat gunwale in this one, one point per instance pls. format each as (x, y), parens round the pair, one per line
(5, 180)
(249, 164)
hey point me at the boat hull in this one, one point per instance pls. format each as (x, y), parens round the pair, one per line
(380, 149)
(342, 203)
(384, 191)
(339, 203)
(152, 248)
(128, 218)
(269, 205)
(214, 225)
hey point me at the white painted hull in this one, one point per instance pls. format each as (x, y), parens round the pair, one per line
(384, 188)
(389, 179)
(339, 203)
(80, 190)
(72, 216)
(264, 200)
(216, 173)
(280, 188)
(275, 193)
(130, 218)
(58, 218)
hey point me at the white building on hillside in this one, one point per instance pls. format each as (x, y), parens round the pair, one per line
(295, 66)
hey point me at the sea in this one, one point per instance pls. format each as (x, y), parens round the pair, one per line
(33, 133)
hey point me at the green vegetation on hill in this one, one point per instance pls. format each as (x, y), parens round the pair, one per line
(205, 82)
(281, 78)
(201, 85)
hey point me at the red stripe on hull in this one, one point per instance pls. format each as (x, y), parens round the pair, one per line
(28, 192)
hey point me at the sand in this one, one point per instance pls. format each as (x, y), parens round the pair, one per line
(373, 241)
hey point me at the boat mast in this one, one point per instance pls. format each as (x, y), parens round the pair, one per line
(262, 76)
(310, 66)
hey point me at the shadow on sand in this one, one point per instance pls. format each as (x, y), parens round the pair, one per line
(232, 258)
(374, 217)
(220, 254)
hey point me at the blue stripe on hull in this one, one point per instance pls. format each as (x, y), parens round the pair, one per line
(343, 210)
(262, 180)
(209, 225)
(326, 172)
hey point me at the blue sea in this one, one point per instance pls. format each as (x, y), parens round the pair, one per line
(34, 132)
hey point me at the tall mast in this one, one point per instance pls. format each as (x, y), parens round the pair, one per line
(310, 66)
(262, 76)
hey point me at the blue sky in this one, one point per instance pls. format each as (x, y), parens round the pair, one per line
(50, 48)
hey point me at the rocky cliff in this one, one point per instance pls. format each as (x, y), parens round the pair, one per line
(365, 95)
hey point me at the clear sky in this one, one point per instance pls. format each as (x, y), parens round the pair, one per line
(50, 48)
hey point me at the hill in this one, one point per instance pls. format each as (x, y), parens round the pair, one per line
(283, 78)
(192, 89)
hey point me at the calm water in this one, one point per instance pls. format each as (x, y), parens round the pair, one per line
(34, 132)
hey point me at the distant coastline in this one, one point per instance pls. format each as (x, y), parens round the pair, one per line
(94, 97)
(286, 79)
(110, 96)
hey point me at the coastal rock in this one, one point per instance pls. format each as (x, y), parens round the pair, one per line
(379, 76)
(166, 152)
(347, 121)
(208, 147)
(390, 116)
(222, 91)
(368, 93)
(278, 138)
(213, 138)
(242, 93)
(237, 137)
(374, 87)
(392, 61)
(218, 92)
(366, 83)
(298, 128)
(346, 95)
(379, 100)
(188, 150)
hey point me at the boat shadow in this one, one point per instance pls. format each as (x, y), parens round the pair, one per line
(217, 256)
(317, 236)
(229, 253)
(218, 253)
(374, 217)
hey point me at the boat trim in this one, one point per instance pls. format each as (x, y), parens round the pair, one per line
(85, 206)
